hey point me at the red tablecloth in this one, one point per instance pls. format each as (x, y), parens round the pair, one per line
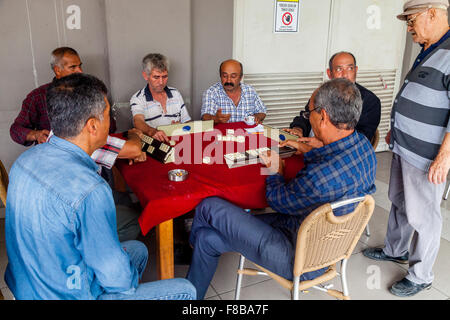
(163, 199)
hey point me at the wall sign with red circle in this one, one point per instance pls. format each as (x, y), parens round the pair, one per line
(286, 15)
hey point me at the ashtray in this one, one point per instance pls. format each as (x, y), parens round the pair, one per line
(178, 175)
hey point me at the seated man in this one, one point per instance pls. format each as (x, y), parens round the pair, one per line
(343, 65)
(230, 100)
(33, 126)
(157, 104)
(343, 168)
(60, 227)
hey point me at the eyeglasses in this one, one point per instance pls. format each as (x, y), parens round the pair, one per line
(410, 22)
(306, 114)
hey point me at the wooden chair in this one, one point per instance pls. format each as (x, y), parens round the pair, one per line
(323, 240)
(4, 181)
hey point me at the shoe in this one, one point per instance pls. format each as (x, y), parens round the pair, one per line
(406, 288)
(379, 255)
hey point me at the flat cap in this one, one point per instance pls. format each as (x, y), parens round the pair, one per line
(415, 6)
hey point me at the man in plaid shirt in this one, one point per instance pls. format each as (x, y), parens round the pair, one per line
(230, 100)
(343, 168)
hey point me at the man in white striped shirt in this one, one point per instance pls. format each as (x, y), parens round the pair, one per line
(157, 104)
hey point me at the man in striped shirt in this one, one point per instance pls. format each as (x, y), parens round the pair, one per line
(420, 141)
(157, 104)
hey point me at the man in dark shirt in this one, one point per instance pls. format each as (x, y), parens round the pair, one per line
(343, 65)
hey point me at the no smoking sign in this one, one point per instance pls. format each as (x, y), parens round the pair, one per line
(286, 15)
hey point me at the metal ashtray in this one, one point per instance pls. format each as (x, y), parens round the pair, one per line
(178, 175)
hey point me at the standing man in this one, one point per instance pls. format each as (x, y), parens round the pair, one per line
(60, 223)
(230, 100)
(420, 141)
(343, 65)
(157, 104)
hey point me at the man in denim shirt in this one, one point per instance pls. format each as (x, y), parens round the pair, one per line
(343, 168)
(60, 226)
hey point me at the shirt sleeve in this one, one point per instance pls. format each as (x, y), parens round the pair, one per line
(25, 121)
(370, 116)
(137, 105)
(301, 122)
(98, 242)
(184, 117)
(259, 105)
(209, 103)
(106, 156)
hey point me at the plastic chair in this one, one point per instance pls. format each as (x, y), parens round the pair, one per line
(4, 181)
(323, 240)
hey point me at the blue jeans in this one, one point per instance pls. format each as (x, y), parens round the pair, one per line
(171, 289)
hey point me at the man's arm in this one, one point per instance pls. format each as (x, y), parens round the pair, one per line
(99, 246)
(438, 171)
(22, 130)
(300, 123)
(139, 123)
(370, 116)
(219, 117)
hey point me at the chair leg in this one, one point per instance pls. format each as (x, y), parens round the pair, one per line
(239, 278)
(367, 230)
(295, 293)
(446, 194)
(344, 277)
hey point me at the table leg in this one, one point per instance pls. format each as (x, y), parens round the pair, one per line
(164, 250)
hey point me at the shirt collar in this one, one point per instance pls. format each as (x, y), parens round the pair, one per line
(332, 148)
(149, 96)
(73, 149)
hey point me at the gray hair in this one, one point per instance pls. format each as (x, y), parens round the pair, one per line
(72, 101)
(58, 54)
(342, 102)
(155, 61)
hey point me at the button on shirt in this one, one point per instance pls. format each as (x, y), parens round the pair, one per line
(142, 102)
(61, 235)
(216, 98)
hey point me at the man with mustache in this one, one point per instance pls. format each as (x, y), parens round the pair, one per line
(230, 100)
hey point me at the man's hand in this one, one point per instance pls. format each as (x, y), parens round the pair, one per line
(136, 132)
(295, 131)
(438, 171)
(388, 137)
(259, 117)
(141, 158)
(221, 117)
(299, 146)
(40, 136)
(273, 162)
(312, 142)
(161, 136)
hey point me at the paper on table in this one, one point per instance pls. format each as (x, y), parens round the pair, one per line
(258, 129)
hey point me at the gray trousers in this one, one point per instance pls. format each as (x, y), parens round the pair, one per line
(415, 220)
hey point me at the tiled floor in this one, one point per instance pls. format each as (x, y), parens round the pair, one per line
(367, 279)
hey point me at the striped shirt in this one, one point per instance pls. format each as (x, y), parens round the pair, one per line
(142, 102)
(216, 98)
(421, 110)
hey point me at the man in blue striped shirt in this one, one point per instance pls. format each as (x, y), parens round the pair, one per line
(230, 100)
(343, 168)
(420, 141)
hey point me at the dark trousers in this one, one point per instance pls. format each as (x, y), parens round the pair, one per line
(220, 226)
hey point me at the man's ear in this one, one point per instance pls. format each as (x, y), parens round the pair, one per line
(57, 71)
(145, 75)
(329, 73)
(92, 126)
(324, 115)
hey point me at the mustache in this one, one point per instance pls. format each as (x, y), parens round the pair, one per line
(228, 84)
